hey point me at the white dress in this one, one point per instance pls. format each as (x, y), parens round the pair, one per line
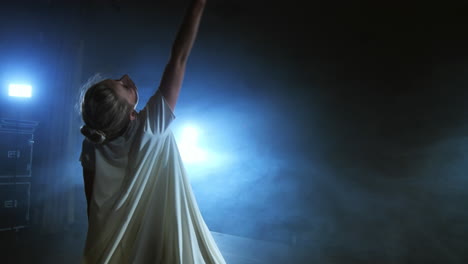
(142, 208)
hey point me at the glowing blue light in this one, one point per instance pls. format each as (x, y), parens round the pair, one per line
(20, 90)
(188, 145)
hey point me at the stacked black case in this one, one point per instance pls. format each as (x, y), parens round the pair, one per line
(16, 150)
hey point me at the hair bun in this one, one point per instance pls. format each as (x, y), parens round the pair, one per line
(93, 135)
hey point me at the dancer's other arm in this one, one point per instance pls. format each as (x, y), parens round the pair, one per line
(88, 178)
(173, 75)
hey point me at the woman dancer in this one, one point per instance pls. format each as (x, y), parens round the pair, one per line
(141, 208)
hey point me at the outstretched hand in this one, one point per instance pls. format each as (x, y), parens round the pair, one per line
(173, 75)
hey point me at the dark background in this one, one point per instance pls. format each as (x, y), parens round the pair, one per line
(338, 126)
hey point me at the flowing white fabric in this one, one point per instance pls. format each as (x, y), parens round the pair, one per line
(142, 208)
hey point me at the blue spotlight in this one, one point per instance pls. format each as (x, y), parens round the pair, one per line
(188, 145)
(20, 90)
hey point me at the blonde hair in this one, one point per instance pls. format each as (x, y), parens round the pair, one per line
(106, 115)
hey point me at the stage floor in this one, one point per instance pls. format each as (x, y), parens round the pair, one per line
(67, 248)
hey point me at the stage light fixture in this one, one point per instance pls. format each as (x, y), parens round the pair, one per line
(20, 90)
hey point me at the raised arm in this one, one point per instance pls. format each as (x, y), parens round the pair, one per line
(173, 75)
